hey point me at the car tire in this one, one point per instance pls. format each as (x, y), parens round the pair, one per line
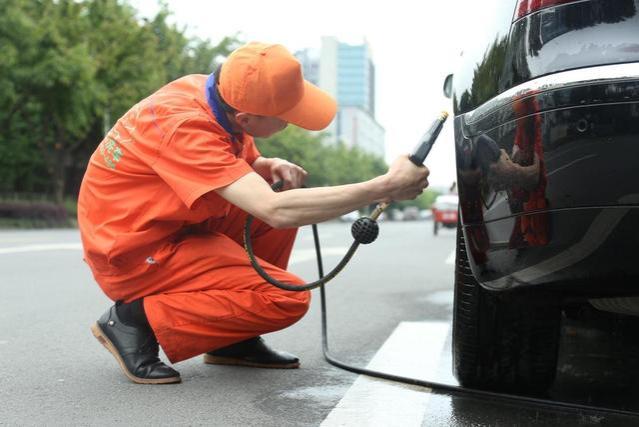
(501, 341)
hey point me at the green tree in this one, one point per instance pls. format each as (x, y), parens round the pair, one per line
(16, 161)
(68, 70)
(184, 55)
(51, 81)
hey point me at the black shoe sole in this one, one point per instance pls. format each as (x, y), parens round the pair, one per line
(99, 334)
(218, 360)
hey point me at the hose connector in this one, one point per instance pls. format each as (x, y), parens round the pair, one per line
(365, 230)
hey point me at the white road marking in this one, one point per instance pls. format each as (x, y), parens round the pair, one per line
(41, 248)
(451, 258)
(4, 240)
(303, 255)
(412, 350)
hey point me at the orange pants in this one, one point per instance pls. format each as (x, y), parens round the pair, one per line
(201, 292)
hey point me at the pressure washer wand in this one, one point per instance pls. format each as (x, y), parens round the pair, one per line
(419, 153)
(428, 140)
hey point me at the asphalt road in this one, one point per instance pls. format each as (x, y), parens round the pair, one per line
(53, 372)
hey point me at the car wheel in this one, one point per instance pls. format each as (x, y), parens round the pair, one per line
(501, 342)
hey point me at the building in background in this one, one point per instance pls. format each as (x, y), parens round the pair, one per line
(347, 72)
(309, 58)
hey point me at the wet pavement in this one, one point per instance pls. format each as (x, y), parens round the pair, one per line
(598, 366)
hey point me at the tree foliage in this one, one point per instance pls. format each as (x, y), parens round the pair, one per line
(70, 68)
(487, 76)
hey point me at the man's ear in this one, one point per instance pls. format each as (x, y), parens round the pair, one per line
(242, 118)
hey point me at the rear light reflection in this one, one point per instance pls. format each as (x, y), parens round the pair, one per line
(525, 7)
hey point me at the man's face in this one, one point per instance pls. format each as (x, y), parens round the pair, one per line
(259, 126)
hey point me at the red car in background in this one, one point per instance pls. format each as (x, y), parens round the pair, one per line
(445, 212)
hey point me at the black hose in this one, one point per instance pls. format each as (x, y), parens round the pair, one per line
(249, 250)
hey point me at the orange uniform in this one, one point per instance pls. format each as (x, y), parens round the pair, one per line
(153, 226)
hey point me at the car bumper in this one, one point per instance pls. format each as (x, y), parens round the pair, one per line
(589, 251)
(555, 201)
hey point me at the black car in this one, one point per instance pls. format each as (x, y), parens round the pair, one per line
(546, 106)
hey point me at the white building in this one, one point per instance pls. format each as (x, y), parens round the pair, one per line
(357, 128)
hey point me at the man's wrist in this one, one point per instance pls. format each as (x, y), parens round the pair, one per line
(379, 187)
(262, 165)
(259, 162)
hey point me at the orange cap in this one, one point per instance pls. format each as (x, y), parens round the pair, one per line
(265, 79)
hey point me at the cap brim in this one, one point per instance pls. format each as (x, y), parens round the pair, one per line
(315, 110)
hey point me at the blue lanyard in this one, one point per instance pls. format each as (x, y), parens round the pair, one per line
(216, 106)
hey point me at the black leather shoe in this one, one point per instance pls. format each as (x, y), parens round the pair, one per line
(135, 349)
(252, 352)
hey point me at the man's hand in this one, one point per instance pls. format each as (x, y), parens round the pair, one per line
(292, 175)
(406, 180)
(275, 169)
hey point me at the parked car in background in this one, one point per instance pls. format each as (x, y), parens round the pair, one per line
(546, 106)
(395, 214)
(411, 213)
(425, 214)
(445, 212)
